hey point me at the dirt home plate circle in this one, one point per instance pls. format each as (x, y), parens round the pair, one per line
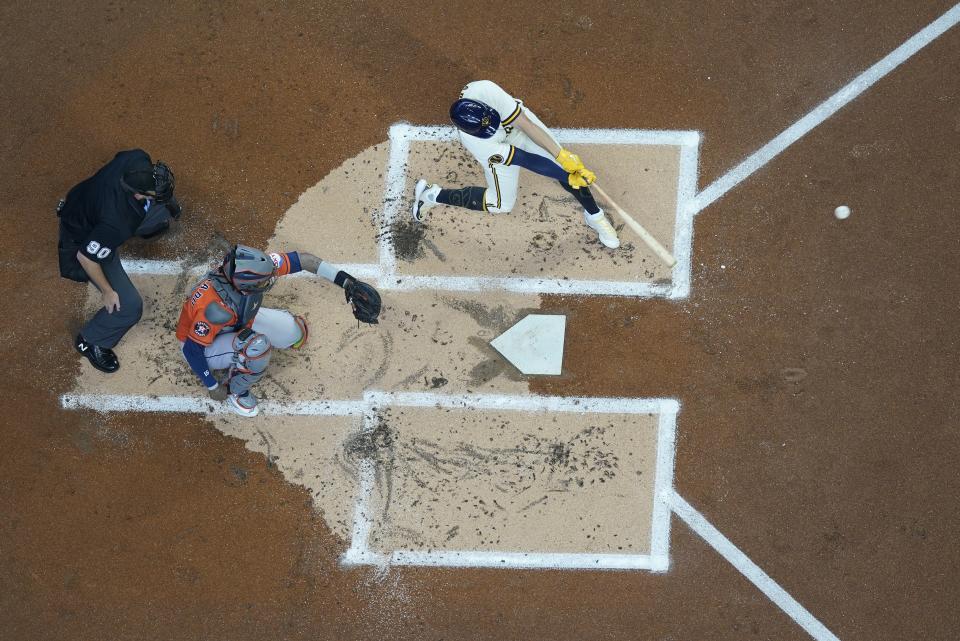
(433, 450)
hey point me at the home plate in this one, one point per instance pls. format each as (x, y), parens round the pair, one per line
(535, 344)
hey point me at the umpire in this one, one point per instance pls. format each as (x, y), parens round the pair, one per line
(130, 196)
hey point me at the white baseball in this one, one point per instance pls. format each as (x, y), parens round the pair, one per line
(841, 212)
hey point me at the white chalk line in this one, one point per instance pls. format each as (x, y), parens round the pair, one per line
(393, 191)
(373, 399)
(750, 570)
(520, 285)
(683, 229)
(362, 518)
(826, 109)
(138, 267)
(200, 405)
(447, 133)
(526, 403)
(663, 485)
(506, 560)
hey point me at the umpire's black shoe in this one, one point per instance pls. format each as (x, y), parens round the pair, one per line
(102, 358)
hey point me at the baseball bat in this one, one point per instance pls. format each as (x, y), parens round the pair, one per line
(638, 229)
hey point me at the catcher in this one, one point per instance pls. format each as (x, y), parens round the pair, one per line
(223, 327)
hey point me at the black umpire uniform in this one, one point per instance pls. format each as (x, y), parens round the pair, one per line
(129, 196)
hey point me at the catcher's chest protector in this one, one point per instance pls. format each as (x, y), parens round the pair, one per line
(245, 307)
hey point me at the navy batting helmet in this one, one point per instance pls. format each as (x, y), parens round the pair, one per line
(475, 118)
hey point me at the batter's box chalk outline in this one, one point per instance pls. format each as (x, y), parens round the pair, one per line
(360, 553)
(402, 134)
(658, 560)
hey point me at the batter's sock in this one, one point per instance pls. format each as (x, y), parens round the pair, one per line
(469, 197)
(583, 196)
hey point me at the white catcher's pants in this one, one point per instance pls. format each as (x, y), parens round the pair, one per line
(276, 324)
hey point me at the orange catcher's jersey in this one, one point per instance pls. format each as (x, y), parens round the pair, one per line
(214, 305)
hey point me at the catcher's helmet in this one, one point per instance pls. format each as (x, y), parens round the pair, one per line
(475, 118)
(154, 180)
(249, 270)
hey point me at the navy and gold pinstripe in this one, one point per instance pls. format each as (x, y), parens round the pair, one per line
(496, 185)
(513, 116)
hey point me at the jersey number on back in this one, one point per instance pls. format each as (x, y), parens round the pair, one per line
(94, 249)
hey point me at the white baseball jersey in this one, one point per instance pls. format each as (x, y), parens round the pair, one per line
(495, 154)
(496, 149)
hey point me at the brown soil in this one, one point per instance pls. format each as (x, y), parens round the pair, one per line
(816, 368)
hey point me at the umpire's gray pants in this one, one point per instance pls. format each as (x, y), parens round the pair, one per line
(106, 330)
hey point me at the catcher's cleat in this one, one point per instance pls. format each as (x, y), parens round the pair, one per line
(244, 404)
(423, 199)
(304, 332)
(599, 223)
(101, 358)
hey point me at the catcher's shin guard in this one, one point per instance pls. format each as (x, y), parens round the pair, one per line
(251, 356)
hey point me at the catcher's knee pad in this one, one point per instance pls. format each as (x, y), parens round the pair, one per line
(304, 332)
(251, 352)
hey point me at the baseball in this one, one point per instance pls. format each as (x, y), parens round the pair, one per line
(841, 212)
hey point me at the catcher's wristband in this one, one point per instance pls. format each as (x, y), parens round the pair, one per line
(342, 277)
(328, 271)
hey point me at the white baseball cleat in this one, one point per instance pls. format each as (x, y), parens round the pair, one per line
(423, 199)
(599, 223)
(244, 404)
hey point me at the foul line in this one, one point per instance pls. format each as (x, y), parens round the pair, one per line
(826, 109)
(751, 570)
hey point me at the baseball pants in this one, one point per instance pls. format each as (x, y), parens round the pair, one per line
(106, 329)
(502, 182)
(277, 325)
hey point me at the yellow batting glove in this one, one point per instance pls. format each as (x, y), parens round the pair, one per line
(570, 162)
(576, 180)
(588, 176)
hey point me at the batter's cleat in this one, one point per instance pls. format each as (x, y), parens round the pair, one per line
(599, 223)
(101, 358)
(244, 404)
(423, 199)
(304, 332)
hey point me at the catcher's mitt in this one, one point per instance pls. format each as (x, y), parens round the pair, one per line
(364, 299)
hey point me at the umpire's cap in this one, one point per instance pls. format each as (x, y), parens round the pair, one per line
(475, 118)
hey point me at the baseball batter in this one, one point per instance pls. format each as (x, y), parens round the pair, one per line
(503, 135)
(222, 325)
